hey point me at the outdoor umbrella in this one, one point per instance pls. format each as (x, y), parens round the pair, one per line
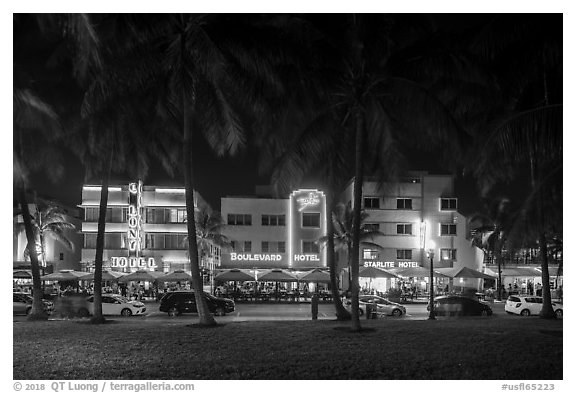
(234, 275)
(278, 275)
(315, 275)
(106, 276)
(466, 272)
(22, 274)
(373, 272)
(64, 275)
(178, 275)
(141, 275)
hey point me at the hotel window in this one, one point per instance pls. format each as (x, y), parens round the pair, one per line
(175, 242)
(447, 254)
(448, 203)
(91, 213)
(239, 219)
(404, 204)
(265, 246)
(311, 220)
(404, 229)
(89, 240)
(61, 256)
(369, 254)
(371, 203)
(371, 227)
(447, 229)
(177, 215)
(310, 247)
(282, 247)
(239, 246)
(273, 220)
(403, 254)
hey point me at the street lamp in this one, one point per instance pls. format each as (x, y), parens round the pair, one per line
(431, 256)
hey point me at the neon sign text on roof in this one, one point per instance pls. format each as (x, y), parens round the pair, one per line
(311, 200)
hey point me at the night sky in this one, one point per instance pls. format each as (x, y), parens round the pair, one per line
(219, 177)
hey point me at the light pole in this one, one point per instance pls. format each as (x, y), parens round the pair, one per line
(431, 256)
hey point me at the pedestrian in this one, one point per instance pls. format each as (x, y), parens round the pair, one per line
(538, 289)
(560, 293)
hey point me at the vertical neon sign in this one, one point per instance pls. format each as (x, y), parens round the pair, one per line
(134, 218)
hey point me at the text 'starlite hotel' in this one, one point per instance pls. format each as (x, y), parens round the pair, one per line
(146, 228)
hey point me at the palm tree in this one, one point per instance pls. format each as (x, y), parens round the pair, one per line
(343, 221)
(49, 220)
(209, 225)
(202, 74)
(528, 136)
(37, 127)
(494, 227)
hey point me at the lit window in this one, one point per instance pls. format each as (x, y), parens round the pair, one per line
(448, 254)
(403, 254)
(369, 254)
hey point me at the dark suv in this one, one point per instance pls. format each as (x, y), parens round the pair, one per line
(178, 302)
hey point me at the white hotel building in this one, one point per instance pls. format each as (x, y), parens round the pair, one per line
(145, 229)
(413, 214)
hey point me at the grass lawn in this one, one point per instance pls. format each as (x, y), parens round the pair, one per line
(466, 348)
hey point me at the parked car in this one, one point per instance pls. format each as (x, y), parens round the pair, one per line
(454, 305)
(179, 302)
(383, 306)
(22, 304)
(113, 304)
(529, 305)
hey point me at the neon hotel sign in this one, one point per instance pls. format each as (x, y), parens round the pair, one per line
(272, 257)
(390, 264)
(134, 259)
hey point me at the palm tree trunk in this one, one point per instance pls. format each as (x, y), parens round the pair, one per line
(204, 315)
(358, 181)
(37, 312)
(499, 262)
(98, 317)
(341, 313)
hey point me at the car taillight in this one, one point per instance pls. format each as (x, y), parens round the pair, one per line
(518, 305)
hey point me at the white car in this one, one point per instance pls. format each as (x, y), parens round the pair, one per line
(117, 305)
(529, 305)
(383, 306)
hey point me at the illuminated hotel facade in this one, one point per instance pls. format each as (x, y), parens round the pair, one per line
(268, 233)
(417, 213)
(412, 214)
(145, 229)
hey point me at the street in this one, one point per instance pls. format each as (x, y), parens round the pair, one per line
(279, 311)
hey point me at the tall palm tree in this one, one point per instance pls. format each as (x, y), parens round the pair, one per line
(494, 227)
(343, 221)
(37, 128)
(209, 225)
(202, 73)
(50, 221)
(528, 136)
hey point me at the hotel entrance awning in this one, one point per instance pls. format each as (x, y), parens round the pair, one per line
(516, 272)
